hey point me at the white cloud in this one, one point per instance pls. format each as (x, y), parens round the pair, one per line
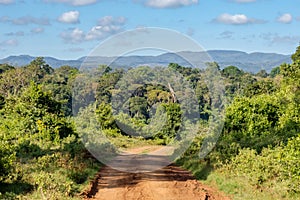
(275, 38)
(110, 20)
(11, 42)
(77, 35)
(226, 35)
(94, 33)
(238, 19)
(73, 2)
(285, 18)
(37, 30)
(100, 32)
(7, 1)
(71, 17)
(167, 3)
(105, 27)
(25, 20)
(286, 39)
(18, 33)
(73, 36)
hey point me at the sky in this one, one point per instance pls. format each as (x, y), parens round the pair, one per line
(69, 29)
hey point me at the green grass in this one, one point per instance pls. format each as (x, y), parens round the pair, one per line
(125, 142)
(56, 175)
(236, 187)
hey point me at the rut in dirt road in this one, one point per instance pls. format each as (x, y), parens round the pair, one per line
(169, 183)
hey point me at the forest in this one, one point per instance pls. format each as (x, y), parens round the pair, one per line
(43, 155)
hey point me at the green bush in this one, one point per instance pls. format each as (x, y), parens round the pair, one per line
(8, 196)
(7, 159)
(28, 150)
(272, 167)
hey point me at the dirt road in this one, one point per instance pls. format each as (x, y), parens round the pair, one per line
(168, 183)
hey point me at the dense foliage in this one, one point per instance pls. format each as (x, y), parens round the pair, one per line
(42, 155)
(260, 140)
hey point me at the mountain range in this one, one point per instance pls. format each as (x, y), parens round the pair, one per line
(250, 62)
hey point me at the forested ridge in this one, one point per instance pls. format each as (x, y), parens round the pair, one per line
(42, 155)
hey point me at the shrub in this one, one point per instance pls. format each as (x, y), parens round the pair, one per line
(7, 159)
(278, 166)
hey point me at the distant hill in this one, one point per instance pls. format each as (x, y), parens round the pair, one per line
(26, 59)
(252, 62)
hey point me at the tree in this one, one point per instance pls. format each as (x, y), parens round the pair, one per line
(104, 69)
(175, 66)
(252, 122)
(275, 71)
(60, 84)
(35, 97)
(173, 123)
(156, 95)
(262, 73)
(187, 72)
(213, 66)
(292, 70)
(204, 99)
(5, 67)
(106, 84)
(38, 69)
(260, 87)
(12, 81)
(36, 112)
(232, 82)
(232, 72)
(296, 56)
(138, 107)
(105, 116)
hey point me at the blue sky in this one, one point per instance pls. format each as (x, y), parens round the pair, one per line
(69, 29)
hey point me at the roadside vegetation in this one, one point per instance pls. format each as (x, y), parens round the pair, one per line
(43, 153)
(258, 153)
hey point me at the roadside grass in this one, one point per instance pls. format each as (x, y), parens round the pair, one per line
(236, 187)
(126, 142)
(57, 174)
(53, 182)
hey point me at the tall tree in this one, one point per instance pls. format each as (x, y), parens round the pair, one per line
(5, 67)
(296, 56)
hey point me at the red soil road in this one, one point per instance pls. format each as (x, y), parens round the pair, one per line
(168, 183)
